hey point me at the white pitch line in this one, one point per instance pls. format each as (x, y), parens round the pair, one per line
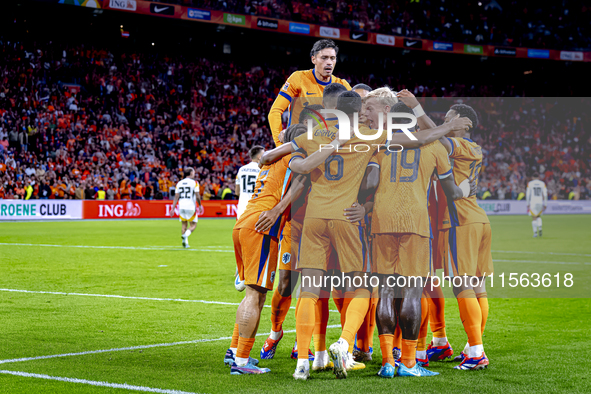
(16, 360)
(131, 297)
(541, 262)
(118, 247)
(124, 386)
(554, 253)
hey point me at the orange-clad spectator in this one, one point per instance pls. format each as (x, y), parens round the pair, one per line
(2, 168)
(61, 189)
(139, 191)
(54, 191)
(124, 190)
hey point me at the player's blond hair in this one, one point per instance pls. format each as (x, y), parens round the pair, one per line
(384, 95)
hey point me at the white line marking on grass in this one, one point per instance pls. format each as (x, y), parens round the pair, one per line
(554, 253)
(541, 262)
(16, 360)
(124, 386)
(131, 297)
(122, 247)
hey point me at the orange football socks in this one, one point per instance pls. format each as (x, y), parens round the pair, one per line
(279, 308)
(356, 311)
(386, 345)
(244, 348)
(235, 335)
(471, 316)
(321, 321)
(409, 352)
(305, 322)
(422, 343)
(483, 302)
(398, 337)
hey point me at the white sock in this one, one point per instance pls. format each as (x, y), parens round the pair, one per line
(539, 220)
(344, 344)
(321, 357)
(241, 361)
(475, 351)
(275, 335)
(234, 350)
(303, 362)
(534, 224)
(466, 348)
(187, 233)
(421, 354)
(439, 341)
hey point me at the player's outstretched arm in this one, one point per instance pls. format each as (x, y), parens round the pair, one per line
(176, 199)
(425, 137)
(273, 155)
(453, 192)
(307, 165)
(411, 101)
(369, 185)
(198, 197)
(268, 218)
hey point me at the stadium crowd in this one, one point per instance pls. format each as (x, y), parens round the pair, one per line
(528, 23)
(75, 120)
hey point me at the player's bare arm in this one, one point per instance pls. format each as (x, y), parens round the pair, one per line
(425, 137)
(198, 197)
(273, 155)
(268, 218)
(237, 188)
(307, 165)
(411, 101)
(369, 185)
(451, 190)
(174, 202)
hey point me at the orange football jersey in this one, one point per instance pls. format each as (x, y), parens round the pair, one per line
(301, 89)
(466, 158)
(401, 200)
(336, 183)
(271, 184)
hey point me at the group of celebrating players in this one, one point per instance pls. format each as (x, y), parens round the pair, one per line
(357, 205)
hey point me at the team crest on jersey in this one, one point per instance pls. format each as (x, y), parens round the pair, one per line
(272, 276)
(286, 86)
(286, 258)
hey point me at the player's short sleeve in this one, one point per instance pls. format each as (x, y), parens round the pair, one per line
(300, 146)
(374, 161)
(442, 164)
(291, 87)
(458, 149)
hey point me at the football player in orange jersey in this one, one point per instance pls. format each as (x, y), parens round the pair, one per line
(465, 223)
(306, 87)
(255, 237)
(401, 244)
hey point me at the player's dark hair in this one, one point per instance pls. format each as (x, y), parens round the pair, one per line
(465, 111)
(307, 112)
(323, 44)
(401, 107)
(349, 102)
(331, 91)
(536, 175)
(293, 131)
(187, 171)
(255, 151)
(362, 86)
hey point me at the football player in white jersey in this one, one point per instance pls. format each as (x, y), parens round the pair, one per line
(246, 178)
(537, 200)
(186, 193)
(245, 181)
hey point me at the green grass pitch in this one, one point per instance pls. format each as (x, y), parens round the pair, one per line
(535, 343)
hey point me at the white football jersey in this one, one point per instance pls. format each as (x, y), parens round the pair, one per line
(246, 178)
(536, 195)
(186, 190)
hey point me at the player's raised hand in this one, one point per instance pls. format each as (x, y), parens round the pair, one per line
(459, 124)
(281, 136)
(355, 213)
(266, 220)
(407, 98)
